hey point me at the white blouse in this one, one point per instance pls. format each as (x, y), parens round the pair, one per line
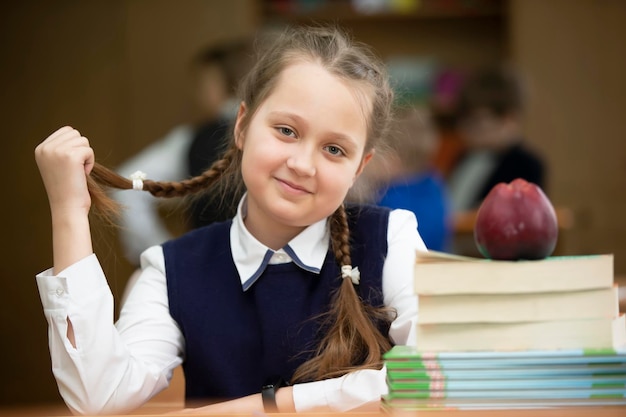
(117, 367)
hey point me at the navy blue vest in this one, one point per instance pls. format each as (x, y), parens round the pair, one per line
(235, 340)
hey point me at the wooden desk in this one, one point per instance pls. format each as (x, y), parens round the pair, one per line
(58, 411)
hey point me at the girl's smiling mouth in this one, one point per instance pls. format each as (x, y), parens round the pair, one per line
(292, 187)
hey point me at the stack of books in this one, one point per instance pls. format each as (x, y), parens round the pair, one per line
(563, 302)
(511, 334)
(504, 380)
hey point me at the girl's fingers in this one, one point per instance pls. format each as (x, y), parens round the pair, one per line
(62, 141)
(64, 159)
(89, 159)
(67, 137)
(65, 130)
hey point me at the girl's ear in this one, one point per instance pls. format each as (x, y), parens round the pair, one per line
(366, 159)
(239, 125)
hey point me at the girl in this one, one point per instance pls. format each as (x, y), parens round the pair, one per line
(288, 306)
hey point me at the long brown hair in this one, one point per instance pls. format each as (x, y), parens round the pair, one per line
(353, 340)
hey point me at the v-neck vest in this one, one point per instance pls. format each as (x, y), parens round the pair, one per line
(235, 339)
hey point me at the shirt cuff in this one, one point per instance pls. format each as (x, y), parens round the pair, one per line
(353, 390)
(78, 282)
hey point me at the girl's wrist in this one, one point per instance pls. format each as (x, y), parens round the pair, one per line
(68, 214)
(71, 238)
(284, 400)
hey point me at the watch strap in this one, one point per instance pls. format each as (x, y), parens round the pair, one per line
(268, 394)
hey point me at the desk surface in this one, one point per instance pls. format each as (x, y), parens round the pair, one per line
(58, 411)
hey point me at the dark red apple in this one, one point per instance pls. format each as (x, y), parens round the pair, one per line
(516, 221)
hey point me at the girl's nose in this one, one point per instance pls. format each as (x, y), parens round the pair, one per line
(302, 161)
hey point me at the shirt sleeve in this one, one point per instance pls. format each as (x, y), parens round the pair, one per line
(113, 368)
(164, 160)
(360, 388)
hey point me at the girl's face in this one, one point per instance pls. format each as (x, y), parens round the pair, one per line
(302, 151)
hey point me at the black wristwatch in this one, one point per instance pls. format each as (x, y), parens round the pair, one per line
(268, 394)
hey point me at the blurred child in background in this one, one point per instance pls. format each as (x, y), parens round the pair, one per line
(403, 177)
(490, 111)
(186, 149)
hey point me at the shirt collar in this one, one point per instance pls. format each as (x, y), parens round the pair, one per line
(307, 250)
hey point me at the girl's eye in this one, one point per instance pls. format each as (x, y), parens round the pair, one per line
(286, 131)
(334, 150)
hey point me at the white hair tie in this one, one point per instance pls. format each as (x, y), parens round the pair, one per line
(353, 273)
(137, 177)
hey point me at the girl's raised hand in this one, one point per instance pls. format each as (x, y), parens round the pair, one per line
(65, 159)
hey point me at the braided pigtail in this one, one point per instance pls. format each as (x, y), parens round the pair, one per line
(101, 177)
(353, 340)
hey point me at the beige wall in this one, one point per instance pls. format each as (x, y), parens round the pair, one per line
(573, 55)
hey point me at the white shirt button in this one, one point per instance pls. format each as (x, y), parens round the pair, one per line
(59, 292)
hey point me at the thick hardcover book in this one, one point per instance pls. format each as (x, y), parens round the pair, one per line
(536, 335)
(502, 308)
(442, 273)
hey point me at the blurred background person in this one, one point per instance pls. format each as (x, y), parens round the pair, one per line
(403, 177)
(443, 103)
(187, 149)
(490, 110)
